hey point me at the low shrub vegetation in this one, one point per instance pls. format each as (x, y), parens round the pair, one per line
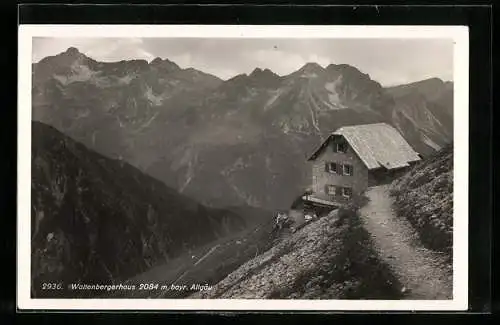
(424, 196)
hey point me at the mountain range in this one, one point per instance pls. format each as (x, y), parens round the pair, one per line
(242, 141)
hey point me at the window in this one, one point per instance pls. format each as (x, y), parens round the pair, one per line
(347, 170)
(346, 191)
(339, 169)
(330, 189)
(338, 191)
(331, 167)
(341, 147)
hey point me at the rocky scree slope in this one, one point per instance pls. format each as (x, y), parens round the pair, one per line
(98, 220)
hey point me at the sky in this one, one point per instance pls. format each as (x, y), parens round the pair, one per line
(388, 61)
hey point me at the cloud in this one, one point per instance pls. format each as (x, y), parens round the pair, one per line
(389, 61)
(119, 49)
(102, 49)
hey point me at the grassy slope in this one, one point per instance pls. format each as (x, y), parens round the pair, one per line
(331, 258)
(424, 196)
(354, 271)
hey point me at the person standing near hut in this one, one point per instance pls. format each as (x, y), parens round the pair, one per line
(281, 218)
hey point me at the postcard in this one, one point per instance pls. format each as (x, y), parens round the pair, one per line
(224, 167)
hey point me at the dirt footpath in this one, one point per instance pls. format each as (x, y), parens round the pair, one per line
(418, 269)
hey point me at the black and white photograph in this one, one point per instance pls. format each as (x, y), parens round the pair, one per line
(191, 167)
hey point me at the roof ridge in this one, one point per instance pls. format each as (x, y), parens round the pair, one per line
(361, 125)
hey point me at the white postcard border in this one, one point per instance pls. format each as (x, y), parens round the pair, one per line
(461, 169)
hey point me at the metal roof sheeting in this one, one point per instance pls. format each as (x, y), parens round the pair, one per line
(379, 145)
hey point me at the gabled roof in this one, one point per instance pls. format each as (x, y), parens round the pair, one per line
(377, 145)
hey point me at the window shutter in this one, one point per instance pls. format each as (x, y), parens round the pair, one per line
(338, 191)
(352, 170)
(327, 169)
(340, 169)
(326, 189)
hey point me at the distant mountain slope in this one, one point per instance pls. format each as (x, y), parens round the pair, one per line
(426, 107)
(424, 196)
(433, 89)
(224, 143)
(98, 220)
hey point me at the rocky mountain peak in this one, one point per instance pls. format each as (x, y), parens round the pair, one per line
(448, 85)
(63, 63)
(430, 82)
(311, 67)
(72, 51)
(431, 87)
(156, 61)
(263, 73)
(436, 79)
(353, 76)
(238, 78)
(346, 69)
(164, 64)
(71, 54)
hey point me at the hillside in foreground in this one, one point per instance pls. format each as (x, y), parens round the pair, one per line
(206, 265)
(330, 258)
(363, 252)
(424, 196)
(98, 220)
